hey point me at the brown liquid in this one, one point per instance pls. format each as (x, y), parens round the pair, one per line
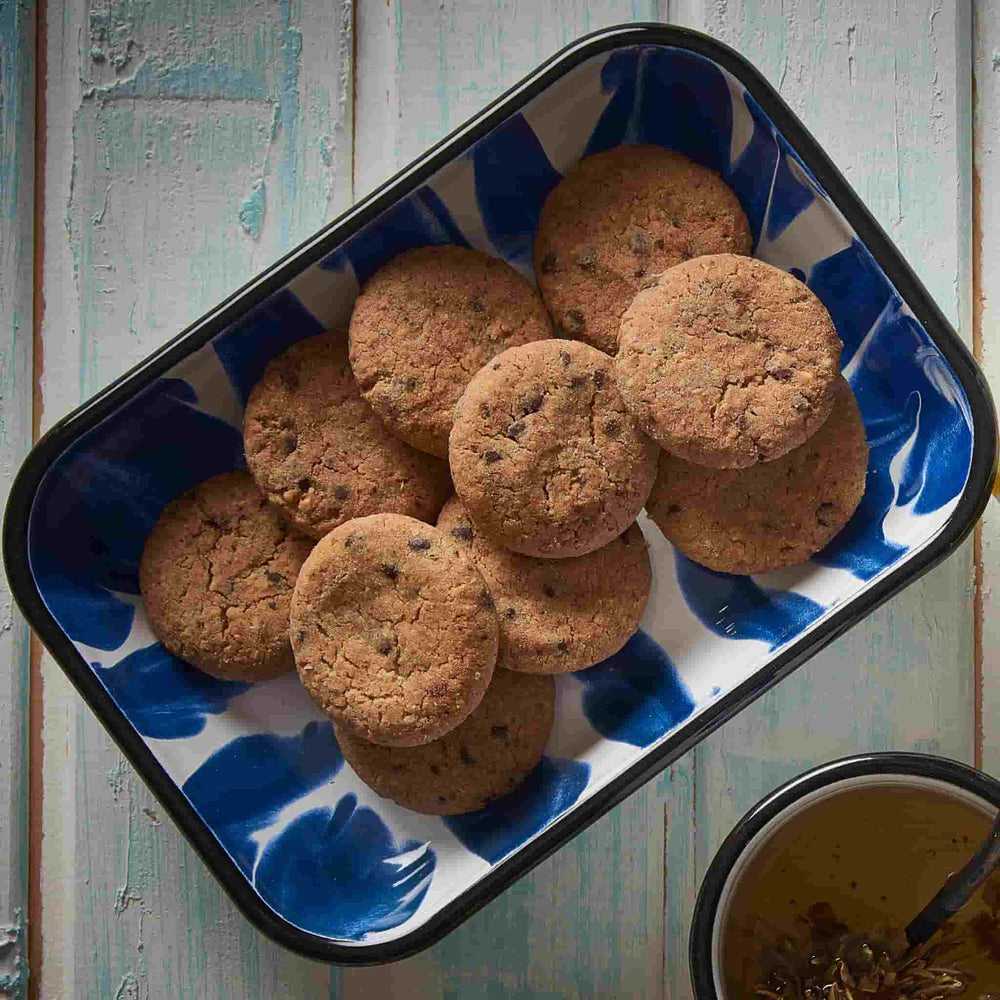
(876, 856)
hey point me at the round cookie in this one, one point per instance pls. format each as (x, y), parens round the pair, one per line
(559, 615)
(769, 516)
(486, 757)
(621, 215)
(321, 455)
(216, 577)
(394, 630)
(547, 460)
(727, 361)
(425, 324)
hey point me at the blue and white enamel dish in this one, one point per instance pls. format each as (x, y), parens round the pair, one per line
(252, 774)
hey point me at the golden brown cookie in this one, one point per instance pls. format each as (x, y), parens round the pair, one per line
(558, 615)
(486, 757)
(544, 455)
(320, 454)
(394, 630)
(216, 577)
(619, 216)
(769, 516)
(425, 324)
(727, 361)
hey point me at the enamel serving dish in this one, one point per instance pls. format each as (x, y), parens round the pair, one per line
(252, 775)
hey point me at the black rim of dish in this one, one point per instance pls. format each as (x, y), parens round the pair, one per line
(66, 431)
(953, 772)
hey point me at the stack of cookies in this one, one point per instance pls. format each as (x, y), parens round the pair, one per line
(439, 512)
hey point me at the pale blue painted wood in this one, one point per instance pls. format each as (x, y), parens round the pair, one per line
(17, 192)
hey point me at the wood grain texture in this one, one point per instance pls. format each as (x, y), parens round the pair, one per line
(17, 193)
(986, 151)
(188, 146)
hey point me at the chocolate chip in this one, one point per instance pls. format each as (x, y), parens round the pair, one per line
(492, 456)
(419, 544)
(462, 533)
(498, 732)
(484, 410)
(477, 305)
(273, 605)
(531, 404)
(548, 590)
(781, 374)
(515, 430)
(340, 492)
(565, 358)
(390, 570)
(658, 242)
(639, 271)
(385, 647)
(826, 514)
(673, 509)
(577, 381)
(463, 752)
(563, 646)
(640, 244)
(510, 613)
(800, 403)
(548, 264)
(600, 377)
(574, 322)
(291, 442)
(587, 261)
(304, 483)
(410, 384)
(486, 601)
(612, 428)
(273, 577)
(496, 367)
(436, 770)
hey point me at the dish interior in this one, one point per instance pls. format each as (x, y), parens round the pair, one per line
(260, 765)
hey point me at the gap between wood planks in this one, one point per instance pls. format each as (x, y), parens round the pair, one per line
(35, 683)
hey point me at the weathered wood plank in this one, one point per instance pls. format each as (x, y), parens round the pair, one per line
(187, 147)
(986, 306)
(885, 88)
(17, 194)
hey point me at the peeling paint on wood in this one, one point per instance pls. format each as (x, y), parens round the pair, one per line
(17, 192)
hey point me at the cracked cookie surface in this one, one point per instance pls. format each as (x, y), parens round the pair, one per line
(560, 615)
(770, 516)
(727, 361)
(394, 630)
(425, 323)
(484, 758)
(543, 453)
(319, 452)
(619, 217)
(216, 578)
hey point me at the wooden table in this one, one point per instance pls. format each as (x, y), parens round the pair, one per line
(154, 156)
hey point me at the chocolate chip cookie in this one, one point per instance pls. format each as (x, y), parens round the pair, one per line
(425, 324)
(321, 455)
(618, 217)
(771, 516)
(486, 757)
(216, 577)
(394, 630)
(547, 460)
(727, 361)
(558, 615)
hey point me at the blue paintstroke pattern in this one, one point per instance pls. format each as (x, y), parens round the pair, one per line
(243, 787)
(339, 872)
(735, 607)
(421, 219)
(164, 697)
(635, 696)
(496, 830)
